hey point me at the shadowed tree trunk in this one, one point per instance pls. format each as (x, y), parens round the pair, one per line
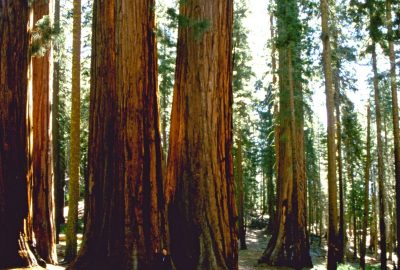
(14, 40)
(337, 98)
(200, 182)
(395, 115)
(124, 225)
(42, 176)
(240, 192)
(58, 171)
(366, 192)
(381, 177)
(333, 248)
(374, 227)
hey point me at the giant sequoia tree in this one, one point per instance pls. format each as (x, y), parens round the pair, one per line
(125, 182)
(14, 40)
(42, 176)
(289, 243)
(202, 213)
(333, 247)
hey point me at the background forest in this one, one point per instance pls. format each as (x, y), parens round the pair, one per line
(274, 131)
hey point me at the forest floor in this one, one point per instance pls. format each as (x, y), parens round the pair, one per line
(248, 259)
(257, 241)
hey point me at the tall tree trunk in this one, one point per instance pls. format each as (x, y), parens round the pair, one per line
(381, 178)
(353, 210)
(125, 220)
(289, 244)
(333, 248)
(275, 88)
(395, 115)
(240, 193)
(14, 60)
(200, 182)
(341, 233)
(57, 166)
(366, 192)
(374, 226)
(42, 177)
(73, 188)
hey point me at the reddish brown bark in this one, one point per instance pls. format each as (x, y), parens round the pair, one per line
(14, 41)
(202, 212)
(289, 244)
(334, 247)
(42, 182)
(124, 223)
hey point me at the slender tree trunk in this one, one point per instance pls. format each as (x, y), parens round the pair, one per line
(395, 115)
(333, 248)
(73, 189)
(240, 193)
(14, 61)
(125, 211)
(366, 192)
(374, 226)
(353, 212)
(42, 181)
(57, 166)
(341, 237)
(271, 190)
(390, 235)
(202, 212)
(381, 178)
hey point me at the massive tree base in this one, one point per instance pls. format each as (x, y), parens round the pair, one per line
(285, 256)
(19, 255)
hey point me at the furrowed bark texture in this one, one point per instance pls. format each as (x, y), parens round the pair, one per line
(14, 43)
(124, 223)
(42, 176)
(202, 212)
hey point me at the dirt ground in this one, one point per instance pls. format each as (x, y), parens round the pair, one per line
(256, 243)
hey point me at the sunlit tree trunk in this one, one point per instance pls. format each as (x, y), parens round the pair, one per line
(125, 220)
(14, 44)
(73, 188)
(42, 177)
(200, 182)
(333, 247)
(289, 244)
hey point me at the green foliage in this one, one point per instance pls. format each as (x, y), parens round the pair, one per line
(198, 26)
(346, 267)
(244, 123)
(43, 33)
(166, 49)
